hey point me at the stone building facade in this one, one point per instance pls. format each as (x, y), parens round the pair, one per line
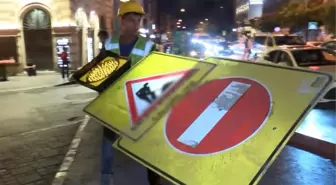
(248, 9)
(37, 30)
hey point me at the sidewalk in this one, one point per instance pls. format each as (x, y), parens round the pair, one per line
(85, 169)
(24, 82)
(86, 161)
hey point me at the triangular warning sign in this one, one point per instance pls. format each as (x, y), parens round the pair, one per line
(142, 93)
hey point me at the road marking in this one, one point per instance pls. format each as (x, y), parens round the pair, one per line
(40, 130)
(62, 172)
(50, 128)
(214, 112)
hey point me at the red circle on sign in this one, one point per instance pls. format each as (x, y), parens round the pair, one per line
(239, 123)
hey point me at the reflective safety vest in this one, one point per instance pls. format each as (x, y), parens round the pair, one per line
(141, 48)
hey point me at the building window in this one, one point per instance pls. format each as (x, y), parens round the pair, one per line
(36, 19)
(9, 52)
(260, 40)
(102, 23)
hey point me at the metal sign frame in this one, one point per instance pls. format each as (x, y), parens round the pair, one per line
(109, 79)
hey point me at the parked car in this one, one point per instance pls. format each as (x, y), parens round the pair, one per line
(319, 59)
(314, 43)
(264, 42)
(330, 45)
(167, 46)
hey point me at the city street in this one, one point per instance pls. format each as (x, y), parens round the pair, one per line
(52, 49)
(36, 128)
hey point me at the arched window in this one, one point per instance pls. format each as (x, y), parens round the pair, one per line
(102, 23)
(80, 17)
(36, 19)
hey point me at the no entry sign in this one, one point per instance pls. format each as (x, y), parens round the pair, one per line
(218, 115)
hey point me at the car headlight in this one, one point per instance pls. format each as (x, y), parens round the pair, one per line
(193, 53)
(219, 48)
(208, 53)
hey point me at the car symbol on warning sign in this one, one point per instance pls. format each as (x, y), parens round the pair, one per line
(141, 93)
(218, 116)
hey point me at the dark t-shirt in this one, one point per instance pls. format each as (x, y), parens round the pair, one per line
(126, 49)
(64, 56)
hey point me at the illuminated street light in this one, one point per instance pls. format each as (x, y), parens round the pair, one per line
(178, 26)
(180, 20)
(178, 23)
(182, 10)
(184, 27)
(221, 7)
(201, 22)
(206, 19)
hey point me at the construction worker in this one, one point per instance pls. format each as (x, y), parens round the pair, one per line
(133, 46)
(129, 43)
(103, 36)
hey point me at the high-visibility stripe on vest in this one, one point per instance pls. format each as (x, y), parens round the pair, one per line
(141, 48)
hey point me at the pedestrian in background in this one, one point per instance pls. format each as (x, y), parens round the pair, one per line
(103, 36)
(65, 64)
(248, 47)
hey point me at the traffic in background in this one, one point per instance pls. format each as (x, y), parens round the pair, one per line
(200, 45)
(277, 48)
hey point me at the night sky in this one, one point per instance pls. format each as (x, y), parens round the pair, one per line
(198, 10)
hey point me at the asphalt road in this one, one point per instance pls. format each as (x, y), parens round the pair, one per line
(36, 128)
(320, 124)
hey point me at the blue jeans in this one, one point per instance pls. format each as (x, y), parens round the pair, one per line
(107, 156)
(106, 163)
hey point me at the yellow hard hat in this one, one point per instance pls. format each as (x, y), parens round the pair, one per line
(130, 6)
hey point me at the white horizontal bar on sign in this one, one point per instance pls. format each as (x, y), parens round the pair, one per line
(214, 112)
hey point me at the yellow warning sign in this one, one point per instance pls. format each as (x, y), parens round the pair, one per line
(122, 106)
(230, 127)
(102, 71)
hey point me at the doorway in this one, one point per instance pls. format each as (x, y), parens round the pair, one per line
(38, 39)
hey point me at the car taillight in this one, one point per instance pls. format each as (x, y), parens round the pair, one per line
(314, 67)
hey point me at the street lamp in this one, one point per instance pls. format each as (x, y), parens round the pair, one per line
(221, 7)
(178, 26)
(201, 22)
(178, 23)
(206, 19)
(180, 20)
(184, 27)
(182, 10)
